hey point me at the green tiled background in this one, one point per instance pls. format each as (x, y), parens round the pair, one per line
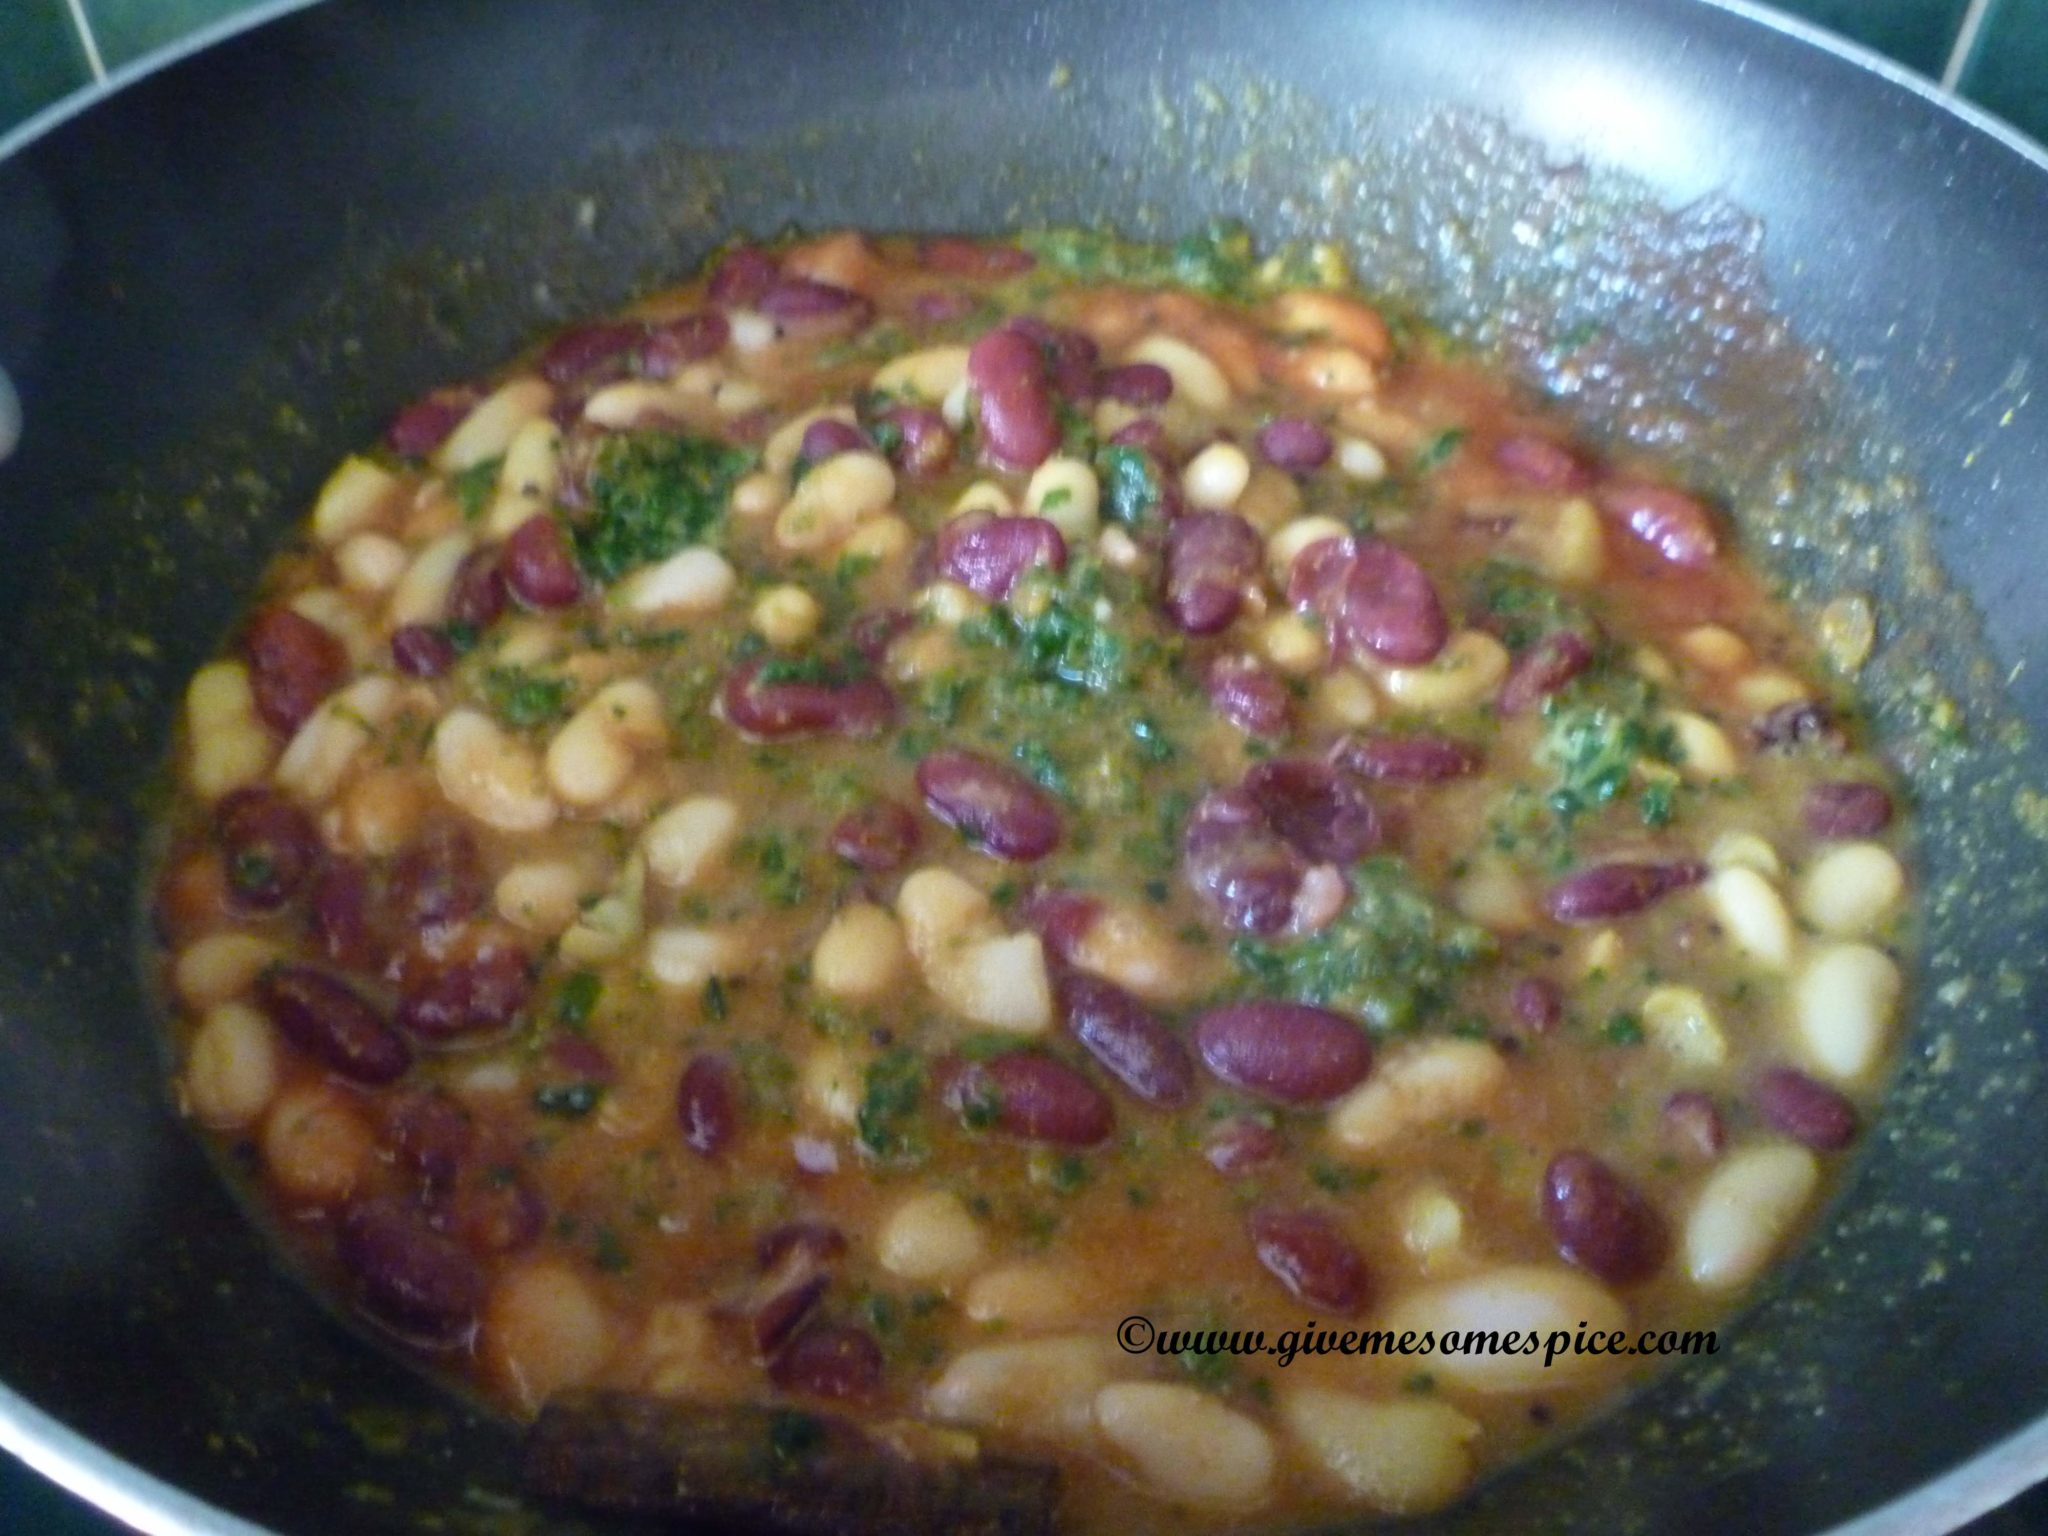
(51, 48)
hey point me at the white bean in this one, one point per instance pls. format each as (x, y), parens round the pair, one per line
(1682, 1022)
(927, 376)
(931, 1239)
(1128, 946)
(1745, 850)
(1744, 1211)
(316, 1146)
(1416, 1085)
(1401, 1457)
(1432, 1224)
(1186, 1444)
(687, 841)
(785, 444)
(1465, 672)
(488, 775)
(833, 499)
(1287, 542)
(1196, 378)
(1843, 1004)
(1753, 915)
(1066, 494)
(592, 756)
(1705, 754)
(544, 1329)
(231, 1070)
(370, 563)
(1851, 889)
(540, 896)
(488, 429)
(690, 582)
(1574, 549)
(1032, 1296)
(422, 592)
(325, 747)
(228, 746)
(220, 967)
(786, 616)
(1042, 1387)
(860, 954)
(528, 479)
(1539, 1298)
(1361, 460)
(1216, 477)
(356, 496)
(612, 924)
(685, 959)
(1293, 645)
(831, 1082)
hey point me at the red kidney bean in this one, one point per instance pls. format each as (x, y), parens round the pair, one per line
(835, 1360)
(1599, 1222)
(424, 425)
(1418, 759)
(923, 445)
(991, 804)
(1032, 1097)
(784, 1300)
(269, 845)
(878, 836)
(1538, 461)
(327, 1020)
(498, 1211)
(1210, 558)
(1389, 608)
(430, 1135)
(957, 256)
(1060, 918)
(409, 1277)
(1295, 444)
(862, 706)
(1315, 581)
(1148, 433)
(539, 566)
(1693, 1124)
(1847, 809)
(420, 650)
(1543, 668)
(1677, 526)
(1240, 1144)
(340, 918)
(1234, 860)
(1247, 693)
(1008, 376)
(1616, 890)
(1070, 355)
(589, 348)
(1305, 1252)
(293, 665)
(478, 593)
(477, 995)
(1127, 1040)
(438, 880)
(987, 555)
(1139, 385)
(1289, 1052)
(1802, 722)
(708, 1104)
(742, 276)
(829, 435)
(1538, 1003)
(805, 307)
(1320, 811)
(672, 344)
(1809, 1112)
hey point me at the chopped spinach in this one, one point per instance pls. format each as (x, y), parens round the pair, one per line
(1393, 957)
(651, 494)
(1438, 450)
(577, 998)
(886, 1121)
(1131, 493)
(568, 1101)
(1596, 731)
(473, 487)
(523, 699)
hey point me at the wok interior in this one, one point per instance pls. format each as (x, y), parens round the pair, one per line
(212, 287)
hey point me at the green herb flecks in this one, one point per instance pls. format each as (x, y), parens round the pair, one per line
(525, 700)
(652, 494)
(887, 1119)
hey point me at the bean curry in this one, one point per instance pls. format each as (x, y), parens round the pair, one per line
(755, 885)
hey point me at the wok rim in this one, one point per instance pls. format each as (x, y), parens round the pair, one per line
(1973, 1487)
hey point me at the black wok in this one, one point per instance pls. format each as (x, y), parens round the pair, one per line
(215, 282)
